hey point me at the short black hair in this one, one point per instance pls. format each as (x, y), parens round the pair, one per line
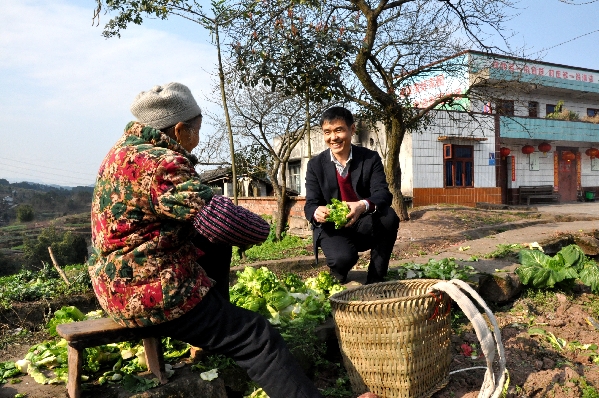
(337, 112)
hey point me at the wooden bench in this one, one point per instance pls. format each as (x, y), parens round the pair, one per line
(537, 192)
(95, 332)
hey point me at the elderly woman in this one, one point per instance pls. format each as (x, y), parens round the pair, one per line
(149, 267)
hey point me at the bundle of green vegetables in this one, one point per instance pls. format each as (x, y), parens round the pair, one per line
(338, 212)
(284, 300)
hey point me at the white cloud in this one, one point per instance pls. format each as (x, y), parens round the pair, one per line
(67, 90)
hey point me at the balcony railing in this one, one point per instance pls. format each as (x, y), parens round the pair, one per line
(547, 129)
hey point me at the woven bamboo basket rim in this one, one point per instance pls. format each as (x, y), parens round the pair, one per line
(339, 298)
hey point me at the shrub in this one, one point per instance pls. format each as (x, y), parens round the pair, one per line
(561, 113)
(24, 213)
(68, 248)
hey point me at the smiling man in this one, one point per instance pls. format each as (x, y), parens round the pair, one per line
(355, 175)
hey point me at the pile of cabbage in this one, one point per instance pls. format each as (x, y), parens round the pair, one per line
(287, 299)
(284, 302)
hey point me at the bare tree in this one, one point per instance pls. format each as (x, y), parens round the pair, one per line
(223, 13)
(276, 123)
(391, 45)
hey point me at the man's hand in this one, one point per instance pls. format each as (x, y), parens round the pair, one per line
(355, 211)
(321, 214)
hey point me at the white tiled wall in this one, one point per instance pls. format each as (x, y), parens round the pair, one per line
(545, 175)
(428, 150)
(588, 177)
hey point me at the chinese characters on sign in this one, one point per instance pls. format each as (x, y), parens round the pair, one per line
(513, 162)
(429, 90)
(558, 73)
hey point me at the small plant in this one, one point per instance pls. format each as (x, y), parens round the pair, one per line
(561, 113)
(557, 342)
(587, 390)
(445, 269)
(504, 250)
(591, 119)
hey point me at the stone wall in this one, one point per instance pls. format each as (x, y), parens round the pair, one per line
(298, 225)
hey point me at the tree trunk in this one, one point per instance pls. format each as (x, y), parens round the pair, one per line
(281, 218)
(221, 76)
(308, 127)
(395, 131)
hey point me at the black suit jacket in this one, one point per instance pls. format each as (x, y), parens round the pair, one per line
(367, 177)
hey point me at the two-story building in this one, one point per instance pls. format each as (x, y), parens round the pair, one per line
(530, 124)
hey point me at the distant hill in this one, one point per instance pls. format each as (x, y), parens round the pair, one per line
(48, 202)
(43, 187)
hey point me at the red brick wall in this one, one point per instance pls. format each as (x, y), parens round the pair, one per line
(298, 225)
(461, 196)
(268, 205)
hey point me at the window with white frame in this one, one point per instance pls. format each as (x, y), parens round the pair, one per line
(294, 176)
(458, 162)
(533, 109)
(505, 107)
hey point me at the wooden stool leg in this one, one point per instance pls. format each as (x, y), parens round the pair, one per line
(154, 358)
(75, 358)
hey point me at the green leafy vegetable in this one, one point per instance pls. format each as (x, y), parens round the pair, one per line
(260, 290)
(64, 315)
(134, 383)
(445, 269)
(338, 212)
(569, 264)
(8, 370)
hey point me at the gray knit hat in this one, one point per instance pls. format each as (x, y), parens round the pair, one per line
(165, 106)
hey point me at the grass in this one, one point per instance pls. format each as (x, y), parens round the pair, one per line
(11, 228)
(289, 246)
(504, 250)
(544, 301)
(593, 305)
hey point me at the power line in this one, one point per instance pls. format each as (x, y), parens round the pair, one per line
(18, 167)
(19, 170)
(567, 41)
(578, 4)
(45, 167)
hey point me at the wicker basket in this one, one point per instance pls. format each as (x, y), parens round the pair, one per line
(394, 337)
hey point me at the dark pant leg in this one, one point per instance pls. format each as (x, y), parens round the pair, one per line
(385, 227)
(248, 338)
(216, 261)
(339, 249)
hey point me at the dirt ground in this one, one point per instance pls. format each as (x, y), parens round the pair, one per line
(536, 367)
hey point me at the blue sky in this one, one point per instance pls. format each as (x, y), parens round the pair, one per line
(65, 90)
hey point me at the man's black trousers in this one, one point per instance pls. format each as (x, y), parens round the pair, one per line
(376, 231)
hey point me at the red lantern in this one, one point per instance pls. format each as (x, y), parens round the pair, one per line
(544, 147)
(592, 152)
(504, 152)
(568, 156)
(528, 149)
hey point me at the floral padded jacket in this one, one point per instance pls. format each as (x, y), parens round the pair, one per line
(144, 267)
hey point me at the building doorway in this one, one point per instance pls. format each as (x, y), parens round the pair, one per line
(567, 179)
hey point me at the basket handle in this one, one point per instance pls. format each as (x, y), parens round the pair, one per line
(492, 386)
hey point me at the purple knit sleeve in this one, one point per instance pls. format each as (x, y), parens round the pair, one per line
(221, 221)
